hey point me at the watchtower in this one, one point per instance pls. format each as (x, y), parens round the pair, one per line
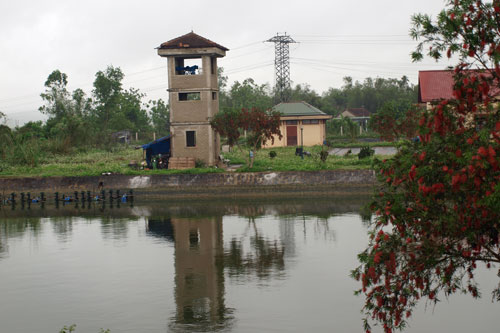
(194, 95)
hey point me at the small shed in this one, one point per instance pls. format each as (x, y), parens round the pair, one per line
(301, 125)
(159, 146)
(359, 115)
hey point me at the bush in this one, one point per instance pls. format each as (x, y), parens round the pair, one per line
(200, 164)
(272, 154)
(323, 155)
(365, 152)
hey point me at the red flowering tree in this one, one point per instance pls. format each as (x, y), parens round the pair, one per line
(438, 206)
(393, 121)
(260, 126)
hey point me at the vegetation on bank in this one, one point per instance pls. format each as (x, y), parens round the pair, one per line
(286, 160)
(95, 162)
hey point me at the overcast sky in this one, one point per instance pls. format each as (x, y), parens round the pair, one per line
(357, 38)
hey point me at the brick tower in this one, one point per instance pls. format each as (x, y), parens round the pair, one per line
(194, 96)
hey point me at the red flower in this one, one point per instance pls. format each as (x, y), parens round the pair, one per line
(482, 151)
(377, 257)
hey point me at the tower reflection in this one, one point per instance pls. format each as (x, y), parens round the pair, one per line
(199, 272)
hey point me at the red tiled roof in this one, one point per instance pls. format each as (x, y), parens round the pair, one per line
(359, 112)
(190, 40)
(438, 85)
(435, 85)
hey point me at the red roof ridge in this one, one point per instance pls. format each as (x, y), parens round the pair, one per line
(190, 40)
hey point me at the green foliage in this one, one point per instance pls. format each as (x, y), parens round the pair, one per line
(371, 94)
(247, 94)
(350, 128)
(200, 164)
(72, 328)
(365, 152)
(272, 154)
(68, 329)
(160, 116)
(259, 127)
(394, 121)
(323, 155)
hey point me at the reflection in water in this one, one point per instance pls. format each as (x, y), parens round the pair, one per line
(16, 228)
(253, 253)
(199, 276)
(63, 228)
(204, 261)
(114, 228)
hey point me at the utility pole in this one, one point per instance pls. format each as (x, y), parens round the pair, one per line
(282, 66)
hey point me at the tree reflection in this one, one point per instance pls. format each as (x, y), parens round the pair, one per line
(263, 258)
(114, 228)
(63, 228)
(16, 228)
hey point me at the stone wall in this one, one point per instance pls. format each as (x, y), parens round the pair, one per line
(180, 184)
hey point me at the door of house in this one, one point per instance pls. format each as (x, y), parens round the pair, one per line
(291, 135)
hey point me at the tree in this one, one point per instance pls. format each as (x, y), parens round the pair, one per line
(160, 116)
(56, 95)
(260, 126)
(438, 206)
(107, 94)
(66, 111)
(394, 121)
(247, 94)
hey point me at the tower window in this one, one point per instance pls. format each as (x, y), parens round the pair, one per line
(188, 66)
(191, 96)
(214, 95)
(190, 138)
(213, 65)
(194, 238)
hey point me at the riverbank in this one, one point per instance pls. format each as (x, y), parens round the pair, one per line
(210, 184)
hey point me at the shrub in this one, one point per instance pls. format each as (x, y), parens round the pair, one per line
(272, 154)
(365, 152)
(323, 155)
(200, 164)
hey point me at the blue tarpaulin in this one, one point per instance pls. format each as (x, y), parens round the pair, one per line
(159, 146)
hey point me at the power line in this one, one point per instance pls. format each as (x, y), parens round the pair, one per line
(351, 36)
(347, 71)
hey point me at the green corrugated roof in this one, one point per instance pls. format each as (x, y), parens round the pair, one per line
(298, 109)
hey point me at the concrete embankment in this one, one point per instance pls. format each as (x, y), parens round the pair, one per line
(214, 184)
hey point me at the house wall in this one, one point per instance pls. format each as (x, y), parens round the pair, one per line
(313, 134)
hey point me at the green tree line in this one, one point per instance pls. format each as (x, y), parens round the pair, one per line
(373, 94)
(80, 121)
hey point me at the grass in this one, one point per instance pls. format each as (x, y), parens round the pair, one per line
(340, 144)
(90, 163)
(286, 160)
(96, 162)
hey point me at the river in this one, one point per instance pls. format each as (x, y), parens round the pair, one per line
(199, 266)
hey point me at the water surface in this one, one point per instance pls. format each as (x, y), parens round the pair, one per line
(199, 266)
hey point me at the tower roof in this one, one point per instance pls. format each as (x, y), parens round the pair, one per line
(190, 40)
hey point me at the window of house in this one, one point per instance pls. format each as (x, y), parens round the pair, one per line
(190, 96)
(190, 138)
(291, 122)
(214, 95)
(310, 121)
